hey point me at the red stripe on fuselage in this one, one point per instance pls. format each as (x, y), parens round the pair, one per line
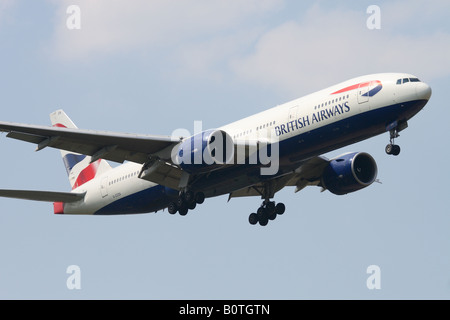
(358, 85)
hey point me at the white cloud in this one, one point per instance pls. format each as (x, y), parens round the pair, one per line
(210, 59)
(5, 5)
(328, 46)
(406, 14)
(213, 39)
(111, 26)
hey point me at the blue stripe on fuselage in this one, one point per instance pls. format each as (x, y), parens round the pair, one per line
(148, 200)
(347, 131)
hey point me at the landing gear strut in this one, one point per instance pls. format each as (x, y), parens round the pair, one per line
(267, 211)
(186, 201)
(391, 148)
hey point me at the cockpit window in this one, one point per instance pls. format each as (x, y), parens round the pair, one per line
(399, 81)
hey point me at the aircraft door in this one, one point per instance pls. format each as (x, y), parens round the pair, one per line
(104, 187)
(363, 92)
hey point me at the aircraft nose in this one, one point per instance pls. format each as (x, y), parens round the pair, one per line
(423, 91)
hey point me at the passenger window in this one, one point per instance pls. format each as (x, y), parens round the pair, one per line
(405, 80)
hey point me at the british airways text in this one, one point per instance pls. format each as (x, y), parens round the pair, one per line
(311, 119)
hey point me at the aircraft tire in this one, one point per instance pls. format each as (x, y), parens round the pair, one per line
(263, 221)
(253, 218)
(395, 150)
(280, 208)
(172, 208)
(183, 210)
(199, 197)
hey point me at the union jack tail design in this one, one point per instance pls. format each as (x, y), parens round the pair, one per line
(79, 167)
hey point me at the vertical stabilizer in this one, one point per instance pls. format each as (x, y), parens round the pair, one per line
(79, 167)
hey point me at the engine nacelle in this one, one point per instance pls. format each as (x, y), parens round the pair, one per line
(205, 151)
(349, 173)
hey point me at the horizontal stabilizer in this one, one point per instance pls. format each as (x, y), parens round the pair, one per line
(48, 196)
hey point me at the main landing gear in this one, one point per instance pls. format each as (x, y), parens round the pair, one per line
(391, 148)
(267, 211)
(186, 201)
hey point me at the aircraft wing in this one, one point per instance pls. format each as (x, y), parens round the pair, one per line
(117, 147)
(48, 196)
(308, 173)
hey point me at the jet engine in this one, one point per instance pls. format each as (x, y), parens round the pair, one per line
(349, 173)
(205, 151)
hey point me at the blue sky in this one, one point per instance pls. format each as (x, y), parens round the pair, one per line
(155, 66)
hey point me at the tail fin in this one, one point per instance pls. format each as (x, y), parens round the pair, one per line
(79, 167)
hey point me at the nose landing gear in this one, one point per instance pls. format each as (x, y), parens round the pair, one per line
(391, 148)
(394, 128)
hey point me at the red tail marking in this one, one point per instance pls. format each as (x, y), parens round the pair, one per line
(87, 174)
(58, 207)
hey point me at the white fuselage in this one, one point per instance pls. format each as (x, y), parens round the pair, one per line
(309, 126)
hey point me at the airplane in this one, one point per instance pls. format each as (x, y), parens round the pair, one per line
(255, 156)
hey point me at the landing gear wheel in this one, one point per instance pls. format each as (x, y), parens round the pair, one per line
(253, 218)
(266, 212)
(280, 208)
(272, 216)
(270, 207)
(396, 150)
(172, 208)
(180, 202)
(260, 212)
(183, 210)
(186, 200)
(393, 149)
(388, 149)
(189, 196)
(192, 205)
(263, 221)
(199, 197)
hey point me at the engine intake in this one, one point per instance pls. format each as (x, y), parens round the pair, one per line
(349, 173)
